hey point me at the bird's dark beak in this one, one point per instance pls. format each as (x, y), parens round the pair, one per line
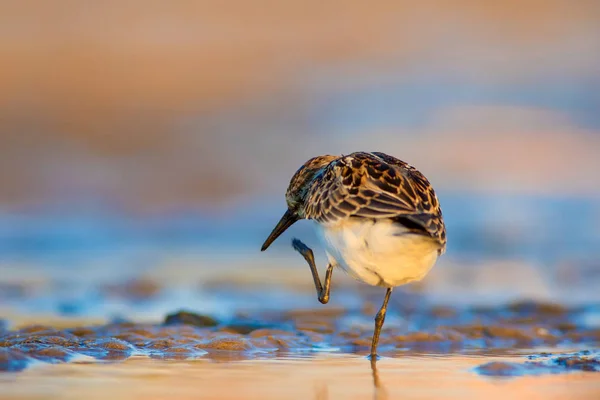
(285, 222)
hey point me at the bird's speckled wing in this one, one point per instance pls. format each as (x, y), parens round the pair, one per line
(376, 185)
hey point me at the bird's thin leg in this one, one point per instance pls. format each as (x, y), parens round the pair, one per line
(379, 318)
(322, 290)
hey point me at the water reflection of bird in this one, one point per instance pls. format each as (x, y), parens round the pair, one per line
(377, 217)
(379, 392)
(321, 393)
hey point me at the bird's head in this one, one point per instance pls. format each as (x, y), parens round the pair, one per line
(296, 194)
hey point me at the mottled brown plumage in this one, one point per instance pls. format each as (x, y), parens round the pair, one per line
(367, 185)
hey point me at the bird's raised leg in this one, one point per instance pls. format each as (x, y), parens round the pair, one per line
(322, 290)
(379, 319)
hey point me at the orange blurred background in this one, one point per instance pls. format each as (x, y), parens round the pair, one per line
(156, 139)
(150, 106)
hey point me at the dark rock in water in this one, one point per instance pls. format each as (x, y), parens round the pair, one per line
(585, 360)
(55, 341)
(111, 344)
(50, 354)
(39, 330)
(177, 353)
(538, 308)
(317, 325)
(506, 369)
(544, 363)
(503, 332)
(245, 327)
(161, 344)
(500, 368)
(415, 337)
(418, 339)
(280, 341)
(227, 343)
(579, 363)
(38, 339)
(12, 360)
(83, 331)
(190, 318)
(257, 333)
(107, 349)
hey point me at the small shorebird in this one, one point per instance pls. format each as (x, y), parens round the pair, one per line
(377, 217)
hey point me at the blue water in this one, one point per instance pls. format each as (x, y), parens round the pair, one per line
(534, 228)
(78, 253)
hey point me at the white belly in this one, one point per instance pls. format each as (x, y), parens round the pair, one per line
(378, 253)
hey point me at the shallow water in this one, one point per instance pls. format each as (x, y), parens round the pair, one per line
(317, 376)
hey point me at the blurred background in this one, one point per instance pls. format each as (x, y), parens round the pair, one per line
(149, 143)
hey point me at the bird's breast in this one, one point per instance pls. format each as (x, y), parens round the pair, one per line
(378, 252)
